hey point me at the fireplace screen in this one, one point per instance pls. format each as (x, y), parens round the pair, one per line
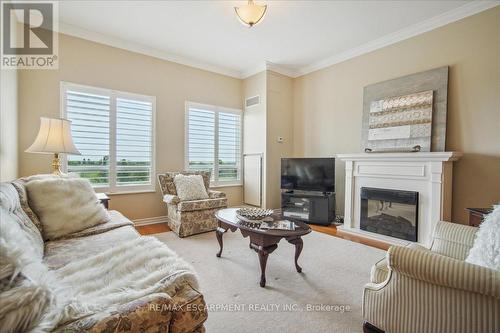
(390, 212)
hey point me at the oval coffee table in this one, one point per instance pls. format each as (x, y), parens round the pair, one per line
(262, 241)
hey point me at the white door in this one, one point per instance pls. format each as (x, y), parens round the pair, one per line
(252, 179)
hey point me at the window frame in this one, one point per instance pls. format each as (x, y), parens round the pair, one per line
(216, 109)
(113, 188)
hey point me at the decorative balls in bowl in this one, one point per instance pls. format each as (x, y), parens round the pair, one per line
(254, 213)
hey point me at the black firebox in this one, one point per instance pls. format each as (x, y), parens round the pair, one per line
(390, 212)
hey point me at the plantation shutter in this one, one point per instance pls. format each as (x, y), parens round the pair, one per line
(134, 142)
(114, 131)
(213, 142)
(229, 154)
(200, 140)
(89, 114)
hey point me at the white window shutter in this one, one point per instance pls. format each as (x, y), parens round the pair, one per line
(213, 142)
(89, 115)
(200, 140)
(229, 155)
(134, 142)
(114, 131)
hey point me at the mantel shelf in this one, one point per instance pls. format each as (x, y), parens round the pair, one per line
(444, 156)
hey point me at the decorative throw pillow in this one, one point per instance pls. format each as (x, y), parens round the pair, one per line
(65, 205)
(190, 187)
(486, 249)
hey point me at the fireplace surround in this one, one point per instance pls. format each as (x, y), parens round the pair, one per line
(428, 173)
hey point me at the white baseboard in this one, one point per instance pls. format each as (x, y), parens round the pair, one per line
(150, 220)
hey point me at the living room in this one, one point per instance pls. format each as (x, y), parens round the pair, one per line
(196, 123)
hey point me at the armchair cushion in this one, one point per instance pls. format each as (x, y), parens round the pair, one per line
(167, 185)
(189, 206)
(190, 187)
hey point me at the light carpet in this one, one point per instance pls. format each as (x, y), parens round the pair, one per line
(325, 297)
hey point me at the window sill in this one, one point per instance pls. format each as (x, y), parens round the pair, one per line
(225, 185)
(127, 192)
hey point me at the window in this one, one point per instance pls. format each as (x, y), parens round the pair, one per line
(213, 142)
(114, 131)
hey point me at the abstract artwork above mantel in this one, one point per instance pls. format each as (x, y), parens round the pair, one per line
(409, 111)
(401, 122)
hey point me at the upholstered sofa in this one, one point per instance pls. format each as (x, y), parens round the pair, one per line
(187, 218)
(172, 304)
(420, 290)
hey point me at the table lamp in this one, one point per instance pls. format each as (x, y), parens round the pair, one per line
(54, 137)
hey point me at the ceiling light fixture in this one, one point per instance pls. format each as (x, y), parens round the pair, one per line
(251, 14)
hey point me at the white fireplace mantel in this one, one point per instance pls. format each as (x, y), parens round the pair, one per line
(428, 173)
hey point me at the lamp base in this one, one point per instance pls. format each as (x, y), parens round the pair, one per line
(56, 165)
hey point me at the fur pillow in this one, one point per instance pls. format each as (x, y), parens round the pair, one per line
(486, 249)
(65, 205)
(190, 187)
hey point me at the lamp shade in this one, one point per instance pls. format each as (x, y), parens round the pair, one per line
(54, 137)
(250, 14)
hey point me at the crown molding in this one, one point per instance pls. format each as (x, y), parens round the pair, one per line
(120, 43)
(283, 70)
(254, 70)
(269, 66)
(456, 14)
(451, 16)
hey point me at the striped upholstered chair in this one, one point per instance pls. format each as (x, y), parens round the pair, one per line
(419, 290)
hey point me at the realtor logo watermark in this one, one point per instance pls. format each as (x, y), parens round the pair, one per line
(29, 35)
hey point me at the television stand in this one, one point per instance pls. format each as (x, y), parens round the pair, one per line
(308, 206)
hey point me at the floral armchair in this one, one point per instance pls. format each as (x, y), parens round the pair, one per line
(187, 218)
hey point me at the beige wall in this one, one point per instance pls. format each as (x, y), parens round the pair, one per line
(89, 63)
(279, 124)
(8, 125)
(264, 123)
(254, 120)
(328, 103)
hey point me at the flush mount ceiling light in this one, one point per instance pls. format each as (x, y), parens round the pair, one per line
(251, 14)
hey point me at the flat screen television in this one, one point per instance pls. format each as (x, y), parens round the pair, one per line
(308, 174)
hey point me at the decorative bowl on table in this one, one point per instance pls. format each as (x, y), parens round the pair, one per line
(253, 213)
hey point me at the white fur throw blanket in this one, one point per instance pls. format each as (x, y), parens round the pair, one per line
(486, 249)
(114, 277)
(121, 274)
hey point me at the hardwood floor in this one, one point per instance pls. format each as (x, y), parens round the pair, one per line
(330, 230)
(153, 228)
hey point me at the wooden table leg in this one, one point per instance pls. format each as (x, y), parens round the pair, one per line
(263, 253)
(219, 232)
(298, 249)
